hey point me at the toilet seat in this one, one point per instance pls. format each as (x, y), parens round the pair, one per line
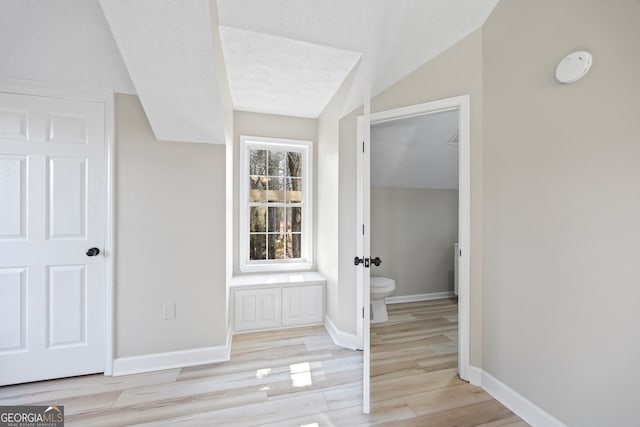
(382, 284)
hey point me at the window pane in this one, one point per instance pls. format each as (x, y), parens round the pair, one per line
(277, 163)
(294, 164)
(258, 219)
(257, 246)
(257, 188)
(276, 246)
(294, 219)
(257, 162)
(276, 220)
(275, 201)
(275, 191)
(294, 187)
(294, 245)
(294, 184)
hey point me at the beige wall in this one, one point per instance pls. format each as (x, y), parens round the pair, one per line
(413, 232)
(345, 314)
(455, 72)
(327, 208)
(328, 201)
(226, 109)
(170, 239)
(562, 202)
(270, 126)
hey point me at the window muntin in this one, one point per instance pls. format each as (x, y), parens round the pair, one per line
(276, 206)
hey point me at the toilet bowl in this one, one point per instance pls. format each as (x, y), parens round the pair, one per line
(381, 287)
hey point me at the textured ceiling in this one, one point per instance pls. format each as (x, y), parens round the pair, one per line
(167, 46)
(283, 57)
(416, 152)
(277, 75)
(395, 38)
(62, 42)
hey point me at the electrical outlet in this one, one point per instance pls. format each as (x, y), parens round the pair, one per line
(169, 311)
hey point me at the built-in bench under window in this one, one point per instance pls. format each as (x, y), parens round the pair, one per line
(273, 301)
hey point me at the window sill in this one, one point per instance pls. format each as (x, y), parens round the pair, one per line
(275, 268)
(269, 279)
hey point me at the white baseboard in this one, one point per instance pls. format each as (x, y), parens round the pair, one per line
(172, 359)
(517, 403)
(418, 297)
(342, 339)
(475, 376)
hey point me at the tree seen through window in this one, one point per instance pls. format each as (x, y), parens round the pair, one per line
(275, 204)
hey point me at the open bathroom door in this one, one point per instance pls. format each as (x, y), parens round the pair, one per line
(363, 234)
(462, 104)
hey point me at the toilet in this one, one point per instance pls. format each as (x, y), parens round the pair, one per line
(381, 287)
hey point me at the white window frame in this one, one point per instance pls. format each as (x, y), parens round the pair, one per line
(305, 262)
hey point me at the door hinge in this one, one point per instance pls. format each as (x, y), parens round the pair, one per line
(363, 312)
(363, 229)
(363, 146)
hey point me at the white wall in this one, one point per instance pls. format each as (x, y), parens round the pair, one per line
(329, 251)
(413, 232)
(170, 239)
(562, 202)
(226, 108)
(63, 41)
(345, 313)
(327, 206)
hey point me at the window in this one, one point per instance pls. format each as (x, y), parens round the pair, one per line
(275, 204)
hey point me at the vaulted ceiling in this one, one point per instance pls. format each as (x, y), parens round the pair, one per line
(393, 37)
(285, 57)
(416, 152)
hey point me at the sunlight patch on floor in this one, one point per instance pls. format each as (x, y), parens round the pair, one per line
(263, 373)
(300, 374)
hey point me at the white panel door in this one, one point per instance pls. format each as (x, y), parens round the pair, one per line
(52, 211)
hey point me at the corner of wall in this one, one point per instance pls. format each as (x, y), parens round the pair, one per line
(518, 404)
(343, 339)
(328, 201)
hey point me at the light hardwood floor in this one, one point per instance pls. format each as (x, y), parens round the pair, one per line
(294, 377)
(414, 365)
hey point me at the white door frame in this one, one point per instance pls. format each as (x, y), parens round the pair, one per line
(22, 87)
(462, 104)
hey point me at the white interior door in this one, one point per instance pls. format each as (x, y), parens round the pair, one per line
(363, 275)
(462, 104)
(52, 211)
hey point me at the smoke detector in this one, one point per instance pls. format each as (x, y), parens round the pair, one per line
(573, 67)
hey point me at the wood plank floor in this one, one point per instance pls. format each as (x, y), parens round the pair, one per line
(414, 364)
(294, 377)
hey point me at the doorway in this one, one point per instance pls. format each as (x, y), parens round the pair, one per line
(459, 106)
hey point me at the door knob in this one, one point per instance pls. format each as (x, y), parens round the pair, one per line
(357, 261)
(93, 252)
(376, 261)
